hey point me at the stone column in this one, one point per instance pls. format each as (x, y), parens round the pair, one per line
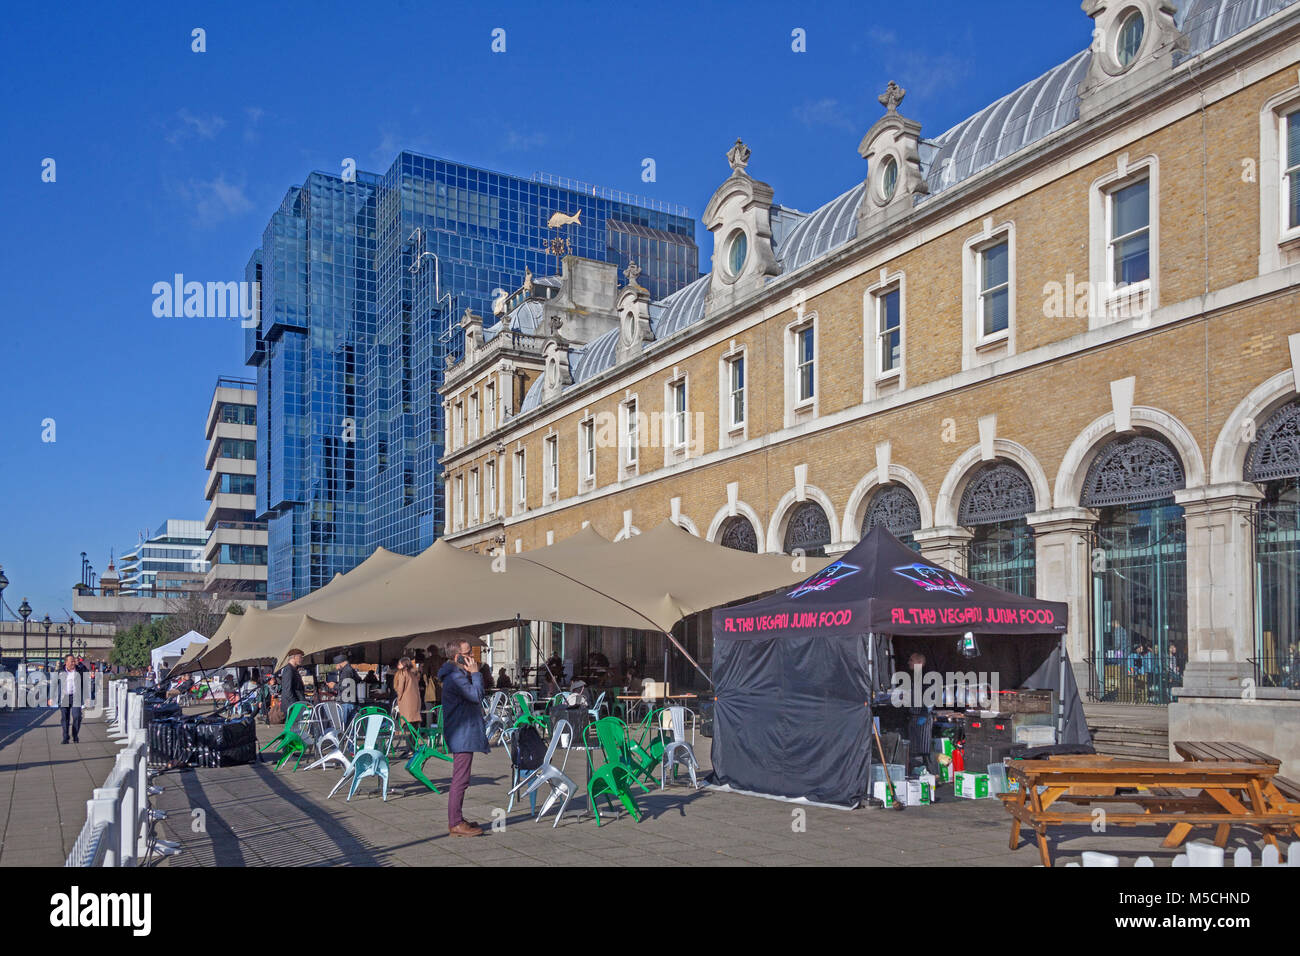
(946, 547)
(1220, 583)
(1063, 570)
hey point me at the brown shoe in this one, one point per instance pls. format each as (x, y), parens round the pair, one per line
(465, 829)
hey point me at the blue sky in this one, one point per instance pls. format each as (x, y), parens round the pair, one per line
(172, 161)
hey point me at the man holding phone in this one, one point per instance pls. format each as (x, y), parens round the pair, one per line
(462, 717)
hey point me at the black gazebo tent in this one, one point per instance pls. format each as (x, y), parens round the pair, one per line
(796, 671)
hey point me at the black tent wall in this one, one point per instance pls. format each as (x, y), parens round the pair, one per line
(792, 717)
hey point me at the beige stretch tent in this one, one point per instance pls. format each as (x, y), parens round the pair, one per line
(445, 592)
(648, 582)
(243, 639)
(190, 655)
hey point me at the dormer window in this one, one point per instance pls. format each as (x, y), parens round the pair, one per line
(737, 252)
(888, 178)
(1129, 38)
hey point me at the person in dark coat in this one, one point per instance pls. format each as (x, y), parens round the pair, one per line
(70, 697)
(292, 690)
(462, 716)
(345, 687)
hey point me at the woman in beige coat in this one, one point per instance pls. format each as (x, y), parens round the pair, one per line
(406, 686)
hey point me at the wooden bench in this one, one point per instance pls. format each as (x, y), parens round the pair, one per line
(1183, 795)
(1280, 792)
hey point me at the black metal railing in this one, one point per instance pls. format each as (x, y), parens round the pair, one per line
(1277, 671)
(1134, 679)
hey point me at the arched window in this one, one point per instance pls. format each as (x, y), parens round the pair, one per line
(808, 529)
(1139, 606)
(1273, 462)
(738, 534)
(1133, 469)
(895, 507)
(1001, 549)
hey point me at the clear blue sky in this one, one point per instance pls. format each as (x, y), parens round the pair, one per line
(172, 161)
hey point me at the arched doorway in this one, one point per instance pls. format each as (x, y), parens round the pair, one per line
(1273, 463)
(895, 507)
(1139, 570)
(738, 534)
(808, 529)
(1001, 549)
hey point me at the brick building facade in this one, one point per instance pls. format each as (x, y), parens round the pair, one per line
(1055, 347)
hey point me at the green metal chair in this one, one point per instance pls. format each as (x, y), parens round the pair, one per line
(613, 778)
(646, 753)
(289, 741)
(528, 716)
(425, 745)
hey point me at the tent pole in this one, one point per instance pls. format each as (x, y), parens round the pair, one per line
(537, 644)
(1060, 696)
(685, 654)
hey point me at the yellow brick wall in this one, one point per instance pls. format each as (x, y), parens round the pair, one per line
(1197, 371)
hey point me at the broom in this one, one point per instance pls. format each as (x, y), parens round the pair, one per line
(889, 781)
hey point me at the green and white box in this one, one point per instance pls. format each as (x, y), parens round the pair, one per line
(914, 793)
(971, 786)
(880, 790)
(941, 745)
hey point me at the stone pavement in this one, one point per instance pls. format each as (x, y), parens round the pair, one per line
(255, 815)
(44, 785)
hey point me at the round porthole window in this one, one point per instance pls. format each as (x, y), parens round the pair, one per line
(888, 178)
(1129, 38)
(737, 250)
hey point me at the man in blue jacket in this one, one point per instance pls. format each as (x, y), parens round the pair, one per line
(462, 717)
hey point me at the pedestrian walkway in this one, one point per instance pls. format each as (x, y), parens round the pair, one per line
(44, 785)
(255, 814)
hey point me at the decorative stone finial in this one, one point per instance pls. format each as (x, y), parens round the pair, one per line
(738, 156)
(632, 271)
(892, 96)
(528, 280)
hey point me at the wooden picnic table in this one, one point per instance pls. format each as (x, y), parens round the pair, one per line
(1279, 791)
(1181, 795)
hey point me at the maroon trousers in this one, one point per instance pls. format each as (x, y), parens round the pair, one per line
(460, 767)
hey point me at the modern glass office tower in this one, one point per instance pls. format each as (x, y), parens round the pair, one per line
(362, 287)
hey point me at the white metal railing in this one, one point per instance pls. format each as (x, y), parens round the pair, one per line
(117, 814)
(1205, 855)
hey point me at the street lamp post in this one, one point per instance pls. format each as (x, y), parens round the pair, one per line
(47, 623)
(24, 611)
(4, 583)
(59, 651)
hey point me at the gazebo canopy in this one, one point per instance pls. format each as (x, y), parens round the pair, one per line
(648, 582)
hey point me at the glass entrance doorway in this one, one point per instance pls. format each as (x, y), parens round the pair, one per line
(1139, 591)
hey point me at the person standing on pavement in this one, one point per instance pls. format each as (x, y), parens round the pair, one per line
(406, 688)
(346, 687)
(292, 689)
(70, 698)
(462, 715)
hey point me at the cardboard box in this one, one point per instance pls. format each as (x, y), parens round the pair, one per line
(880, 790)
(928, 779)
(970, 786)
(945, 773)
(941, 745)
(914, 793)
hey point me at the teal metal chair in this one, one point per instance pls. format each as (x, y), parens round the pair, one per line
(372, 737)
